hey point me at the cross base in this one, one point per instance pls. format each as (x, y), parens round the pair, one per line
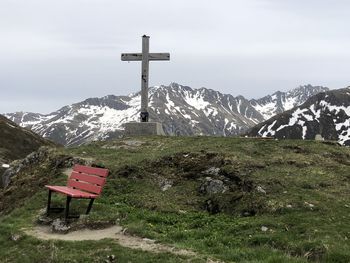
(144, 116)
(143, 128)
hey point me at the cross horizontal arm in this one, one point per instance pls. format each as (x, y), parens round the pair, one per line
(131, 56)
(158, 56)
(151, 56)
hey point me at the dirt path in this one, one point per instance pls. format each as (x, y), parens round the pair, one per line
(114, 232)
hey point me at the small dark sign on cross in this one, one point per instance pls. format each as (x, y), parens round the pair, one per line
(145, 57)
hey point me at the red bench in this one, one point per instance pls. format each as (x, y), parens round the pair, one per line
(84, 182)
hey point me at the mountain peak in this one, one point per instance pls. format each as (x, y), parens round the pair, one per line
(279, 102)
(181, 109)
(306, 90)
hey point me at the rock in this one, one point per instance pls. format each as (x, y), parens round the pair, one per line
(165, 184)
(318, 137)
(111, 147)
(15, 237)
(212, 206)
(264, 228)
(209, 260)
(247, 213)
(166, 187)
(18, 165)
(124, 231)
(134, 143)
(110, 258)
(147, 240)
(10, 172)
(261, 190)
(83, 217)
(309, 204)
(44, 220)
(40, 156)
(127, 144)
(212, 171)
(289, 206)
(212, 186)
(60, 226)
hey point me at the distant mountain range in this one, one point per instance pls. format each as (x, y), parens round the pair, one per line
(326, 113)
(181, 109)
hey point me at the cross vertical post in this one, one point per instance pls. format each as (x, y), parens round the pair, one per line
(144, 79)
(145, 57)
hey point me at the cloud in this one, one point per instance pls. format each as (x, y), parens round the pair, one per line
(73, 47)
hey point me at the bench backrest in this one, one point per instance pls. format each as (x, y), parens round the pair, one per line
(88, 179)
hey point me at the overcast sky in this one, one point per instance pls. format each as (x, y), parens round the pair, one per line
(57, 52)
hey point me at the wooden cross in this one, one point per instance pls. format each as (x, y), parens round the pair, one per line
(145, 57)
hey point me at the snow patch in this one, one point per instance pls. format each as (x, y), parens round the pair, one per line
(196, 101)
(290, 103)
(269, 130)
(10, 125)
(267, 111)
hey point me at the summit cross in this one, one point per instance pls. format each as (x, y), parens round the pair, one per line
(145, 57)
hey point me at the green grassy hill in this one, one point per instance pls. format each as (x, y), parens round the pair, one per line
(227, 199)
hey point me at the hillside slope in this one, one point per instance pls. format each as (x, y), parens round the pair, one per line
(17, 142)
(327, 114)
(227, 199)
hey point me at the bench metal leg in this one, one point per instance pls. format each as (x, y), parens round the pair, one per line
(66, 209)
(48, 204)
(90, 205)
(69, 198)
(50, 209)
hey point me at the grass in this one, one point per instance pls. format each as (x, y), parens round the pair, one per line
(305, 210)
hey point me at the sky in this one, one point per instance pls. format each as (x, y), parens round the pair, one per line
(57, 52)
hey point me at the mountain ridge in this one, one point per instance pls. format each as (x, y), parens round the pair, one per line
(326, 113)
(181, 109)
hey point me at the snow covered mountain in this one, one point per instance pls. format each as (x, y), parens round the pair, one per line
(279, 102)
(181, 110)
(327, 114)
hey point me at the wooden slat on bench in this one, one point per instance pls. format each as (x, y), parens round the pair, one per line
(88, 178)
(90, 170)
(85, 186)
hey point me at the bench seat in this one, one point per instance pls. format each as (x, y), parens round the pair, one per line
(75, 193)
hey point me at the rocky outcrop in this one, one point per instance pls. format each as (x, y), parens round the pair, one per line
(43, 155)
(212, 186)
(27, 176)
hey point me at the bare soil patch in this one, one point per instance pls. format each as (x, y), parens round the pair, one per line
(115, 232)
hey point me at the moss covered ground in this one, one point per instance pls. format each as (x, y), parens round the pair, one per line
(279, 201)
